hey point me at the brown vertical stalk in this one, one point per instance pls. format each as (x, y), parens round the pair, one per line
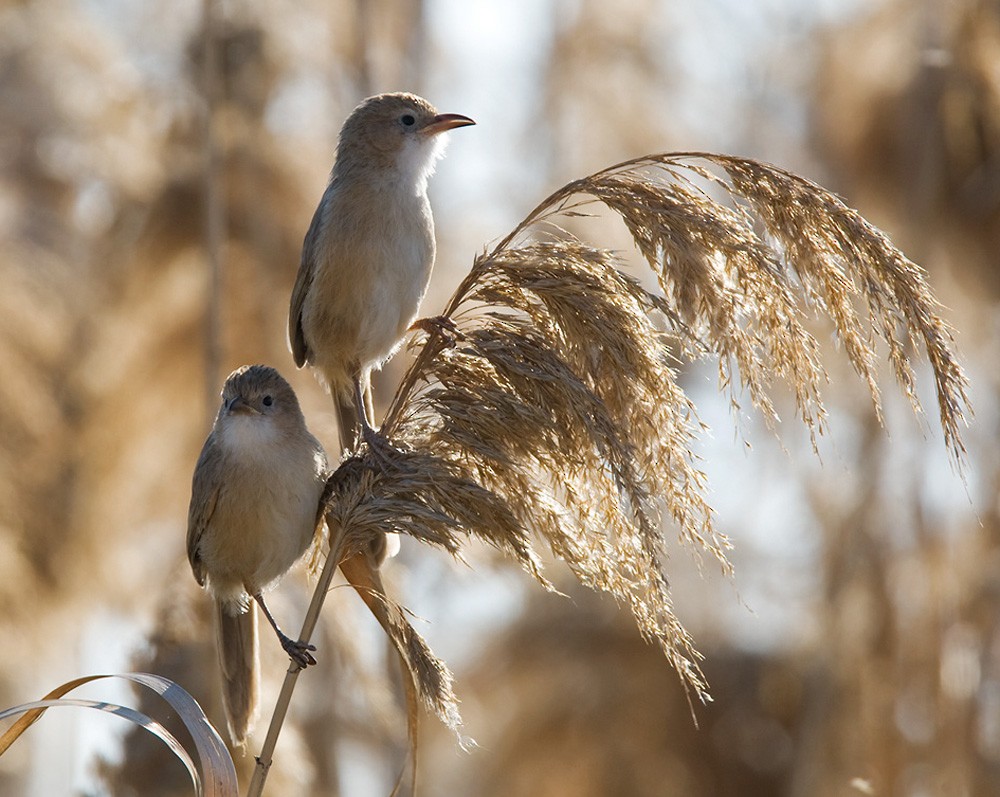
(264, 759)
(214, 209)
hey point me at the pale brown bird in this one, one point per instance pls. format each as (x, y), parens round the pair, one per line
(368, 254)
(255, 508)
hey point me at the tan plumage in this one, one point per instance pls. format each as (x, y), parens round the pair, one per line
(368, 254)
(255, 508)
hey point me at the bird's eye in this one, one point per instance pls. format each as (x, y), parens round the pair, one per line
(268, 401)
(408, 119)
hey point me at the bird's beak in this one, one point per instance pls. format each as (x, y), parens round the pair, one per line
(239, 407)
(445, 121)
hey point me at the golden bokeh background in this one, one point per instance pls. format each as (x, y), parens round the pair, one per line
(150, 151)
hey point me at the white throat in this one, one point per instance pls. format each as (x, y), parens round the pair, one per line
(248, 434)
(418, 158)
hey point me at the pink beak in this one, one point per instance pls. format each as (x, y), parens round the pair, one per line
(445, 121)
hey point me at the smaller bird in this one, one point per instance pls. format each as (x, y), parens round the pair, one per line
(255, 509)
(367, 257)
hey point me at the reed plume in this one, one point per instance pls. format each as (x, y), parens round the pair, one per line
(544, 405)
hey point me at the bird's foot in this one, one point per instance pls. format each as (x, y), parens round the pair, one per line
(298, 651)
(385, 454)
(440, 325)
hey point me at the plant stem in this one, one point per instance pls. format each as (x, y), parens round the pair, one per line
(264, 760)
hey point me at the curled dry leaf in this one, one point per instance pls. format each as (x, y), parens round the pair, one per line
(213, 773)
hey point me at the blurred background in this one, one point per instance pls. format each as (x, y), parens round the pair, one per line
(159, 164)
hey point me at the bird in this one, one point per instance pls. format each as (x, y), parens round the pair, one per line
(368, 254)
(255, 509)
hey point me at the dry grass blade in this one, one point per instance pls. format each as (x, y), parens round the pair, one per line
(553, 412)
(139, 719)
(426, 677)
(213, 775)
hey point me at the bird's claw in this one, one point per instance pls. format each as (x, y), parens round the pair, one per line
(440, 325)
(385, 454)
(298, 652)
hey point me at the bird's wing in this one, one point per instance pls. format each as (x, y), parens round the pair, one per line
(296, 339)
(323, 475)
(204, 496)
(303, 281)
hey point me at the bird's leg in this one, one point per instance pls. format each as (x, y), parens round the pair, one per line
(298, 652)
(440, 325)
(379, 444)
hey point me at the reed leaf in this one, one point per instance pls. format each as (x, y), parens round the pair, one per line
(212, 774)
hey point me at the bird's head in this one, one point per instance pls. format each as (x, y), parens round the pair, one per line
(258, 392)
(400, 131)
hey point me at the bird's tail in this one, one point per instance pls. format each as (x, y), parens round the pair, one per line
(347, 419)
(237, 638)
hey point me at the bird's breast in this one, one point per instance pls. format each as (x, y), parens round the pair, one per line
(374, 262)
(265, 513)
